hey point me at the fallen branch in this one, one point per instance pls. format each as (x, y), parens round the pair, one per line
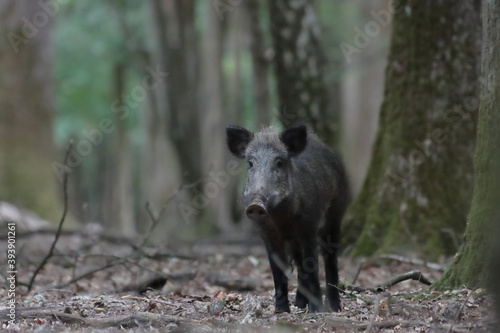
(136, 320)
(91, 272)
(63, 217)
(412, 275)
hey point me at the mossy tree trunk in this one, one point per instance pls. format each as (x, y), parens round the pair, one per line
(26, 109)
(299, 62)
(419, 182)
(470, 267)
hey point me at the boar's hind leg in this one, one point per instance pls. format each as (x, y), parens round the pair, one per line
(330, 241)
(308, 291)
(278, 264)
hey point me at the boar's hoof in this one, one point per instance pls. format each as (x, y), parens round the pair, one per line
(256, 212)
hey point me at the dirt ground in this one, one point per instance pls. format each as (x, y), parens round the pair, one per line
(104, 284)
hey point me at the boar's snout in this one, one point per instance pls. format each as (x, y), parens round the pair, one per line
(256, 211)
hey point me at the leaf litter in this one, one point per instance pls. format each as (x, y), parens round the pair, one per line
(219, 286)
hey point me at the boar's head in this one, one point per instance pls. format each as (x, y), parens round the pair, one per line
(271, 168)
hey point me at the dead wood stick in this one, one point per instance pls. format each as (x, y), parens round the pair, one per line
(457, 315)
(93, 271)
(376, 311)
(63, 217)
(144, 318)
(412, 275)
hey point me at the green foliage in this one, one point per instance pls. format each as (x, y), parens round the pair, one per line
(88, 42)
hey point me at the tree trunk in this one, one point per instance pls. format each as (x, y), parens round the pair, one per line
(181, 58)
(298, 59)
(260, 64)
(362, 77)
(471, 265)
(216, 197)
(161, 166)
(419, 182)
(26, 109)
(118, 210)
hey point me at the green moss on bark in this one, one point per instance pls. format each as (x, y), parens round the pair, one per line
(419, 181)
(471, 265)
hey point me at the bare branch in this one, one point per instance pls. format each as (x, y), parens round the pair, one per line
(156, 219)
(412, 275)
(63, 217)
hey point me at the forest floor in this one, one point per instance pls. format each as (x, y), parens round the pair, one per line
(96, 284)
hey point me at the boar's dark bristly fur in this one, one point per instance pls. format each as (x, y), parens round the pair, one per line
(296, 192)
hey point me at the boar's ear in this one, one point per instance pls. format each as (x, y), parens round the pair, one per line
(295, 139)
(238, 139)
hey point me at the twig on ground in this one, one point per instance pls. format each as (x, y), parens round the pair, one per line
(457, 315)
(156, 219)
(136, 320)
(93, 271)
(376, 311)
(412, 275)
(63, 217)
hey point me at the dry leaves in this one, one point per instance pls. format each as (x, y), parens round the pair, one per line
(203, 292)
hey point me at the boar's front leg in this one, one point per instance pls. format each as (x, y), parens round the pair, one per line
(308, 291)
(278, 262)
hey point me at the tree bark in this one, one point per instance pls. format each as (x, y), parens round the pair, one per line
(419, 182)
(26, 103)
(118, 211)
(182, 60)
(471, 265)
(161, 166)
(260, 64)
(213, 149)
(298, 59)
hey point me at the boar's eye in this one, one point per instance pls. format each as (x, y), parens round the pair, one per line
(250, 164)
(280, 163)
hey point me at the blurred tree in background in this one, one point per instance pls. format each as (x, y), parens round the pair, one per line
(298, 62)
(145, 90)
(27, 110)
